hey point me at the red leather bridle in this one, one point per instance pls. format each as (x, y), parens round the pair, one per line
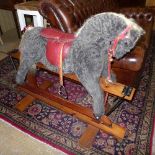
(112, 50)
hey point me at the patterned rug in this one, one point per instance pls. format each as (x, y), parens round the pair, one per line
(63, 131)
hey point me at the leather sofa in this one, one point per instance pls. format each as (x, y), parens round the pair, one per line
(69, 15)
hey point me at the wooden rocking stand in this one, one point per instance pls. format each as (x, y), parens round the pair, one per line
(40, 92)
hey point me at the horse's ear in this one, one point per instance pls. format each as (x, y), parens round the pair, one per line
(142, 31)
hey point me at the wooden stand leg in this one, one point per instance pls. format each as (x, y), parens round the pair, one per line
(24, 102)
(88, 137)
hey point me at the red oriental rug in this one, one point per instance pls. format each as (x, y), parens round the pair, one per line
(62, 131)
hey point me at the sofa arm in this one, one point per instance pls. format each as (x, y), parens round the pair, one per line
(132, 61)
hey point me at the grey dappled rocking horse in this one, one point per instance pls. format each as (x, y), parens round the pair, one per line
(86, 52)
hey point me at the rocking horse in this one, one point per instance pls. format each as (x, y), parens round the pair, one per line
(83, 57)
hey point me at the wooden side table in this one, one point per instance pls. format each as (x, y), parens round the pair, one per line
(29, 8)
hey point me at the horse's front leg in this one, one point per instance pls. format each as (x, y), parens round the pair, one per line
(95, 91)
(88, 65)
(92, 86)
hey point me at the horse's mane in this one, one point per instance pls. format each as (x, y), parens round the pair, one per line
(128, 21)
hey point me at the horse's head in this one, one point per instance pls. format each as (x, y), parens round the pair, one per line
(127, 37)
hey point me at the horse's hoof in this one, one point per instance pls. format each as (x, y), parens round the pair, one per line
(97, 117)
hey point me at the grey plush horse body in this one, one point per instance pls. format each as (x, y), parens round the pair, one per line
(88, 56)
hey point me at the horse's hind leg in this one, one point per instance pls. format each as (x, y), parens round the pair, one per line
(24, 67)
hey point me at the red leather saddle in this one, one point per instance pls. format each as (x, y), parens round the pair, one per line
(57, 41)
